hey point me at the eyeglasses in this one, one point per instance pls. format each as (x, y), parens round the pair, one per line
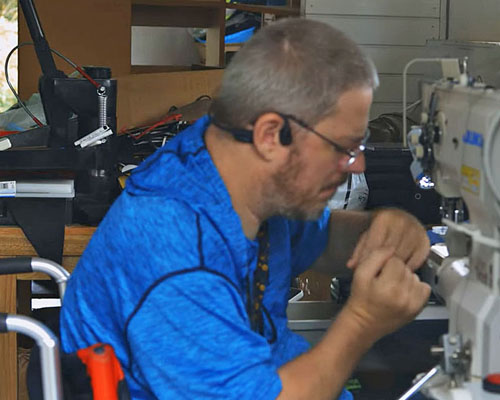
(352, 153)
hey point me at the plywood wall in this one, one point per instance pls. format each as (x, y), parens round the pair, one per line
(90, 32)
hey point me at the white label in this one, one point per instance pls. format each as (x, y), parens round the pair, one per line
(8, 189)
(95, 137)
(5, 144)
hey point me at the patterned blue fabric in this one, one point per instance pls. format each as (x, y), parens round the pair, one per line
(164, 279)
(346, 395)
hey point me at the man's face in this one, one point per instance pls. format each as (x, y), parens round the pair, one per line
(315, 169)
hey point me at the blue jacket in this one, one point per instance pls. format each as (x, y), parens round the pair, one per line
(164, 281)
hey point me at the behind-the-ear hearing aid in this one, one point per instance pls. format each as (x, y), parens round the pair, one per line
(285, 133)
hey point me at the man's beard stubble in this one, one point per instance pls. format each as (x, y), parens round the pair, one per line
(288, 198)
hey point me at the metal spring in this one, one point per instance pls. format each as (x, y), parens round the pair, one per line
(102, 106)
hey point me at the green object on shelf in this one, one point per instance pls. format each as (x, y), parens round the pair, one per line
(353, 385)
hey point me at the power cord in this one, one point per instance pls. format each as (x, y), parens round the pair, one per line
(19, 101)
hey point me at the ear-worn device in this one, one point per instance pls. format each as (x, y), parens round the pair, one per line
(246, 135)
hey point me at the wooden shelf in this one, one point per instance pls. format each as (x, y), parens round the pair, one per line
(209, 14)
(280, 11)
(203, 16)
(180, 3)
(14, 243)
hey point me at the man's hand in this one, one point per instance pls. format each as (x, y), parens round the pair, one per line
(385, 294)
(398, 230)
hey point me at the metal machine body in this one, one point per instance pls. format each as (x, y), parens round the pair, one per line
(458, 146)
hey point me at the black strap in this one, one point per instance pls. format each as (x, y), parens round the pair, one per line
(240, 134)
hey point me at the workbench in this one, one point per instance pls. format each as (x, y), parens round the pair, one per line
(13, 243)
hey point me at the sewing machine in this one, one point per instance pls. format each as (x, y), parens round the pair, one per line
(457, 146)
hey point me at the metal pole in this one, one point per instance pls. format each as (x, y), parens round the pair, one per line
(421, 382)
(54, 270)
(50, 362)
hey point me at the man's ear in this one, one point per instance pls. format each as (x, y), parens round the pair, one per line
(266, 134)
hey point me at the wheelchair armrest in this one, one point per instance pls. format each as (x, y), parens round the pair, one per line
(15, 265)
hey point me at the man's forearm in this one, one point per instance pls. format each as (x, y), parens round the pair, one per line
(345, 228)
(321, 372)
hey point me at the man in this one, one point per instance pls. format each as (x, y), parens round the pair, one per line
(189, 273)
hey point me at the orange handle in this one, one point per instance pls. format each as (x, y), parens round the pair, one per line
(103, 369)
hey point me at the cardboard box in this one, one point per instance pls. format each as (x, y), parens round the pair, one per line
(145, 98)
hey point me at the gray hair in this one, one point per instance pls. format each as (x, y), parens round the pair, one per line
(294, 66)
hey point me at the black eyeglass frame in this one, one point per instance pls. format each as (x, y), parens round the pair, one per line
(352, 153)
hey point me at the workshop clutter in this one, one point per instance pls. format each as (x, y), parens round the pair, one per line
(351, 195)
(146, 98)
(16, 119)
(154, 107)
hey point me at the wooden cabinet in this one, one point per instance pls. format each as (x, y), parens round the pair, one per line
(209, 14)
(98, 32)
